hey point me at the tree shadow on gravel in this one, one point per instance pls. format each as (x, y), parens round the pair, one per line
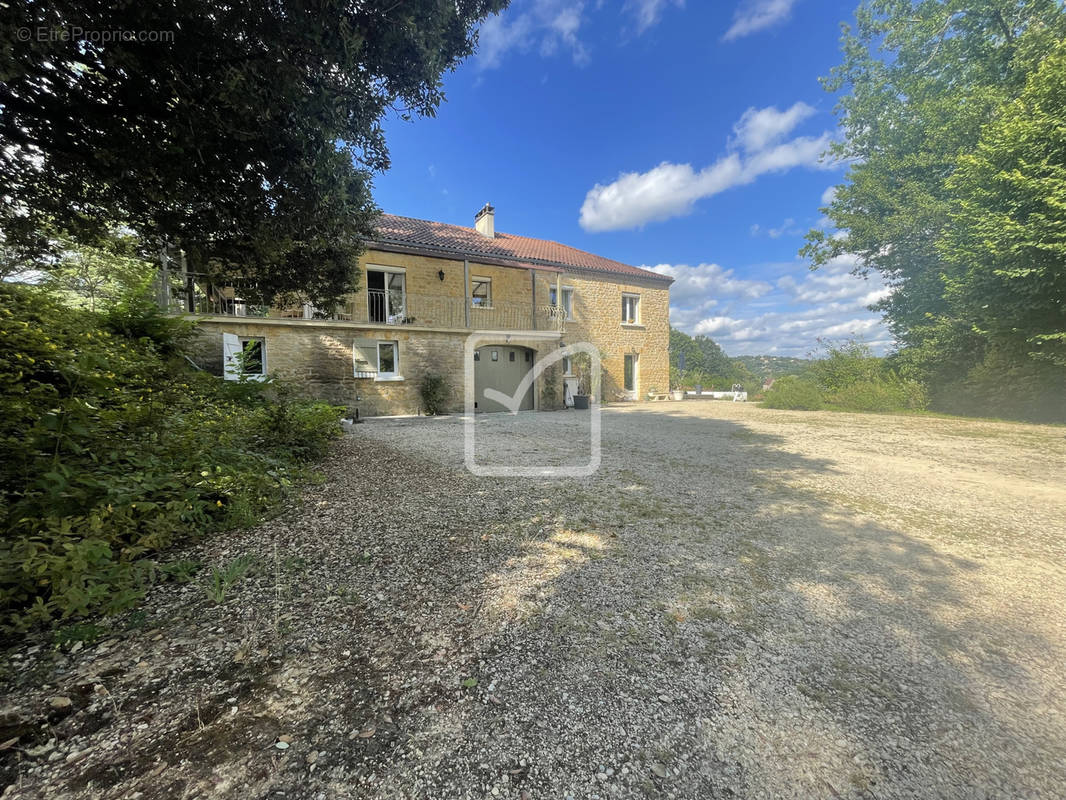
(654, 630)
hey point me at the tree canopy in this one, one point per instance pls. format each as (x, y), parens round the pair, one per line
(926, 91)
(245, 133)
(1006, 244)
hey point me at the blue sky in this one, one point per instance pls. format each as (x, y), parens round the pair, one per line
(685, 137)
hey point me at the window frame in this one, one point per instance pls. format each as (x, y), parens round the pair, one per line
(394, 374)
(487, 282)
(635, 299)
(634, 373)
(261, 341)
(390, 314)
(567, 303)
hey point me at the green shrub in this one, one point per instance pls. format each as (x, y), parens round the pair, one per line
(112, 451)
(1007, 385)
(844, 364)
(434, 391)
(794, 393)
(886, 394)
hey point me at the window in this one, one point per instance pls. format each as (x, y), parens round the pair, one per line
(510, 356)
(567, 303)
(495, 355)
(244, 357)
(481, 292)
(386, 296)
(630, 309)
(568, 367)
(388, 360)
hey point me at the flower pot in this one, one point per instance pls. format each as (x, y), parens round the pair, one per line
(581, 401)
(677, 394)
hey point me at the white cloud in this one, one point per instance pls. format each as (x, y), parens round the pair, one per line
(548, 25)
(787, 228)
(828, 195)
(669, 190)
(756, 15)
(708, 280)
(759, 127)
(648, 12)
(747, 315)
(666, 191)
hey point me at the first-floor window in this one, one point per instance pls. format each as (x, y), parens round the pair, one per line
(630, 309)
(388, 360)
(252, 354)
(243, 357)
(568, 368)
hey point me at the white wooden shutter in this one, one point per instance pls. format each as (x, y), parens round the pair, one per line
(365, 358)
(231, 346)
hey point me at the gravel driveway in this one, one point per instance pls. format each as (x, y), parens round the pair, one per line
(740, 603)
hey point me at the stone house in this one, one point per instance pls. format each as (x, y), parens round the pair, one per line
(425, 287)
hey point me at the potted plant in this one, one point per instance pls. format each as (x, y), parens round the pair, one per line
(677, 381)
(587, 383)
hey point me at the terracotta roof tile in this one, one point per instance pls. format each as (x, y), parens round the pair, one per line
(467, 242)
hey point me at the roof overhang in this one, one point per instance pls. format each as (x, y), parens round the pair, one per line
(456, 255)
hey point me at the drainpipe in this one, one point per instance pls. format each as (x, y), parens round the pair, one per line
(466, 291)
(533, 294)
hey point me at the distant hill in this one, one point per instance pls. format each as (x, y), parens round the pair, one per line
(774, 366)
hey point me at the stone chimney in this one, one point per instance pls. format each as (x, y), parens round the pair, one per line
(485, 222)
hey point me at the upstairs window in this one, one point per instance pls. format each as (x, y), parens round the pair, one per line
(630, 309)
(481, 292)
(566, 302)
(386, 296)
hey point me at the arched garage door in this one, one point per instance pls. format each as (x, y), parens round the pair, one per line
(501, 367)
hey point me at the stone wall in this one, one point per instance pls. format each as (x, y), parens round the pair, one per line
(318, 358)
(434, 302)
(597, 318)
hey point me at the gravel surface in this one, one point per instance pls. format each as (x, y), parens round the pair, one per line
(740, 603)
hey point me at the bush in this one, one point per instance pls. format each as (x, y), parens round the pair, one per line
(112, 451)
(886, 394)
(791, 392)
(1007, 385)
(434, 391)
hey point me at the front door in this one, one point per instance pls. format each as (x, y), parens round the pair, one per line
(630, 374)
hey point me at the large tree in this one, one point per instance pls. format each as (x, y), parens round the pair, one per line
(918, 83)
(244, 132)
(1006, 244)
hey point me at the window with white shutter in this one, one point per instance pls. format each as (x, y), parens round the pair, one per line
(243, 357)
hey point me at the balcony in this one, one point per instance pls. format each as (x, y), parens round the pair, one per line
(197, 295)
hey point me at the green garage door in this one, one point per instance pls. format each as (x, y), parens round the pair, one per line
(501, 367)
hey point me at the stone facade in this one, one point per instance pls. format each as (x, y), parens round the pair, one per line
(318, 354)
(597, 318)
